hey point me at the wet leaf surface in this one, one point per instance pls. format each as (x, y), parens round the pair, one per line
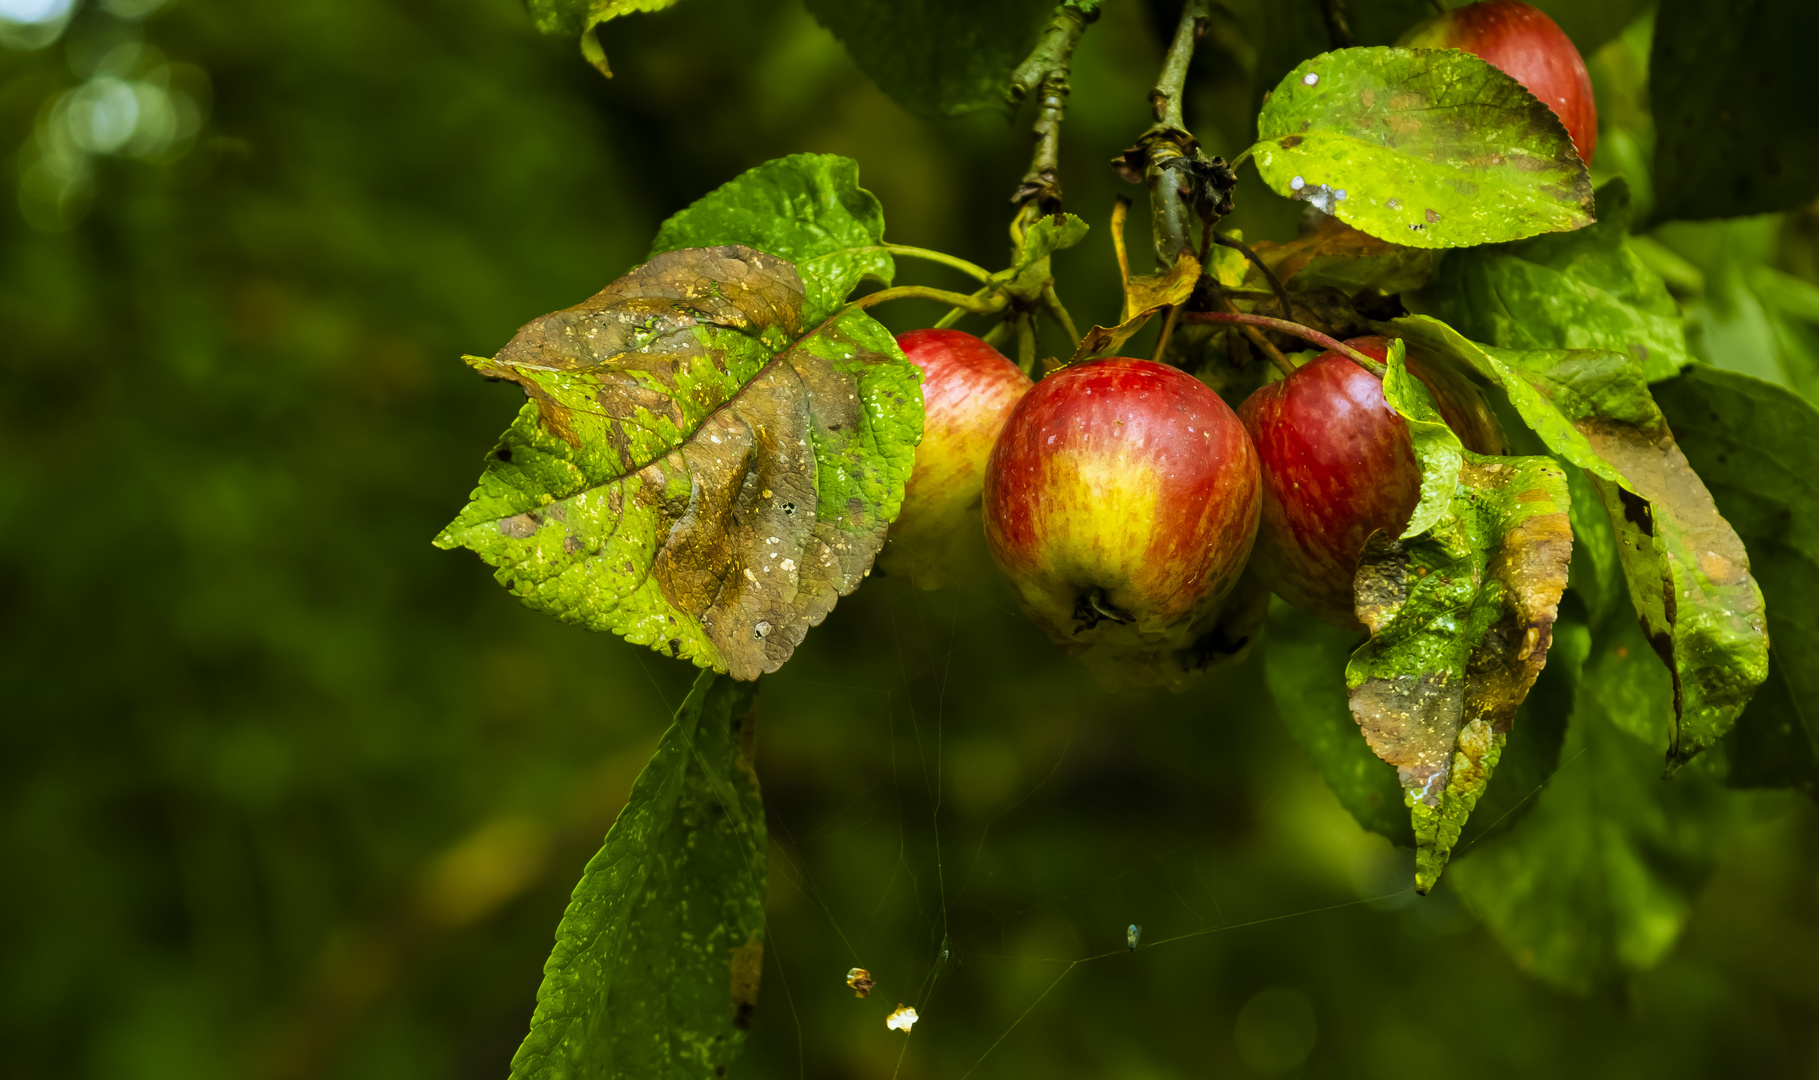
(1579, 290)
(1688, 573)
(1430, 148)
(1461, 611)
(1756, 445)
(937, 57)
(692, 471)
(657, 959)
(807, 208)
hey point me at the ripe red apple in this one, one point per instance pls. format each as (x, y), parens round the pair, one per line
(1121, 501)
(1338, 465)
(1525, 45)
(968, 389)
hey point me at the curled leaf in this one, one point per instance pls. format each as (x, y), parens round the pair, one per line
(1461, 611)
(1144, 296)
(1688, 573)
(693, 471)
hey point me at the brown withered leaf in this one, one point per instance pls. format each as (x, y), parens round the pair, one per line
(692, 470)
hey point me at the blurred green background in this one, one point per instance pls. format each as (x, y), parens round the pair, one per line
(286, 793)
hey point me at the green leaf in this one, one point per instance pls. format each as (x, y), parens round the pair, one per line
(1599, 879)
(1688, 573)
(577, 19)
(1304, 663)
(1047, 236)
(1578, 290)
(1756, 446)
(1461, 611)
(1430, 148)
(807, 208)
(692, 470)
(1735, 130)
(937, 57)
(657, 959)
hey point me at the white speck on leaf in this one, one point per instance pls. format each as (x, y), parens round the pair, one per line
(1309, 79)
(1297, 183)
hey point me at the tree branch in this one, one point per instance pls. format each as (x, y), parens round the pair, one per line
(1045, 73)
(1293, 329)
(1288, 311)
(1168, 139)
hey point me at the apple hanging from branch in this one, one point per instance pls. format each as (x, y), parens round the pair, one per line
(1121, 501)
(968, 390)
(1338, 465)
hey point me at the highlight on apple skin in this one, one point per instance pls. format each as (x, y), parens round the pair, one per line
(1526, 45)
(1121, 501)
(968, 390)
(1338, 464)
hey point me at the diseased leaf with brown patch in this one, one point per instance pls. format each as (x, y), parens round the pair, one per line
(1688, 573)
(1461, 610)
(693, 471)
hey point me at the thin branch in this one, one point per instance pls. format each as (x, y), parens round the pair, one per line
(1045, 73)
(1051, 301)
(1168, 331)
(1338, 29)
(1264, 345)
(1293, 329)
(1288, 311)
(973, 270)
(973, 303)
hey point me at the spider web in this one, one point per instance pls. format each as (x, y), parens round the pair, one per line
(955, 808)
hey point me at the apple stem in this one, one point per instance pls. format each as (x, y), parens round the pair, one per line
(973, 270)
(1288, 311)
(1052, 302)
(1296, 329)
(976, 304)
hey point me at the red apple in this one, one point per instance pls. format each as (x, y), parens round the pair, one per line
(1525, 45)
(968, 389)
(1121, 501)
(1338, 465)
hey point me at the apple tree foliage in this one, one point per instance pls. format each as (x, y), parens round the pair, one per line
(713, 447)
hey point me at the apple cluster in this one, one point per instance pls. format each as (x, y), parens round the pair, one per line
(1122, 498)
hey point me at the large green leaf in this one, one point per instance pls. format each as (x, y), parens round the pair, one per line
(1430, 148)
(1735, 130)
(807, 208)
(577, 19)
(1461, 611)
(1577, 290)
(937, 57)
(693, 470)
(1756, 446)
(1599, 878)
(1688, 573)
(655, 971)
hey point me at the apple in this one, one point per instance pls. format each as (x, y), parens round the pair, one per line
(968, 389)
(1527, 46)
(1121, 501)
(1338, 465)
